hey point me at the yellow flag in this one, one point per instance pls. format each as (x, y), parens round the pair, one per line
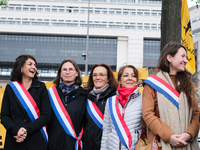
(186, 37)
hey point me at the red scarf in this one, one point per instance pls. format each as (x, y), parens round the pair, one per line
(124, 94)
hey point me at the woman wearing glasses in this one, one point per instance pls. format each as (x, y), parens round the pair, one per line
(123, 113)
(101, 86)
(68, 101)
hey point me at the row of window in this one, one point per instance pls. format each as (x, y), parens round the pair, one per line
(84, 11)
(195, 19)
(73, 21)
(139, 27)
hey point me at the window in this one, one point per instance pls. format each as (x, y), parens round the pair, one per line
(32, 9)
(40, 9)
(118, 12)
(139, 13)
(125, 13)
(153, 14)
(61, 10)
(47, 9)
(132, 13)
(151, 52)
(111, 12)
(54, 10)
(18, 8)
(25, 9)
(146, 14)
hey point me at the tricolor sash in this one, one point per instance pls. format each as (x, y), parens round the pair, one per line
(164, 88)
(28, 103)
(63, 116)
(119, 123)
(95, 113)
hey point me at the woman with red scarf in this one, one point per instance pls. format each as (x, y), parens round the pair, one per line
(123, 113)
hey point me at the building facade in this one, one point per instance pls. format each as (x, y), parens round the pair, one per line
(120, 32)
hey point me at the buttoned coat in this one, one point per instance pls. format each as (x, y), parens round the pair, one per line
(14, 116)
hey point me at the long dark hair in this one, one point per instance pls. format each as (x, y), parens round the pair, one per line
(78, 78)
(111, 79)
(16, 74)
(184, 77)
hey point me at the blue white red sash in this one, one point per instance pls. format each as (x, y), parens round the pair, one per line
(63, 116)
(95, 113)
(28, 103)
(119, 123)
(164, 88)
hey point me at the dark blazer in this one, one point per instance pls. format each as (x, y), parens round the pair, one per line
(14, 116)
(92, 133)
(76, 106)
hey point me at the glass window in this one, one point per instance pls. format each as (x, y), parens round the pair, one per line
(54, 10)
(97, 12)
(18, 8)
(153, 14)
(40, 9)
(68, 11)
(153, 28)
(139, 27)
(146, 28)
(118, 12)
(25, 9)
(111, 12)
(75, 11)
(61, 10)
(146, 14)
(32, 9)
(47, 9)
(139, 13)
(3, 8)
(104, 12)
(125, 13)
(11, 8)
(151, 52)
(132, 13)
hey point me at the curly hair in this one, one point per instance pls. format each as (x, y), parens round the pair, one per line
(16, 74)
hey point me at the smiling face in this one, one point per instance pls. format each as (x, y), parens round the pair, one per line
(177, 62)
(128, 78)
(68, 73)
(100, 77)
(29, 69)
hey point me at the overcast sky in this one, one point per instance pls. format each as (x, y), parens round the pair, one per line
(191, 3)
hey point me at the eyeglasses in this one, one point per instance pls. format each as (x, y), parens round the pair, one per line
(69, 70)
(101, 75)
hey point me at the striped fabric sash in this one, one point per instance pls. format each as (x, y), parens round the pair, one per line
(119, 123)
(63, 116)
(28, 103)
(95, 113)
(164, 88)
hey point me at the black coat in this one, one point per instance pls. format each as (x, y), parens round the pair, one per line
(76, 106)
(92, 133)
(14, 116)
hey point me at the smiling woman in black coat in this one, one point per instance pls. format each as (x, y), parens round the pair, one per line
(23, 133)
(101, 86)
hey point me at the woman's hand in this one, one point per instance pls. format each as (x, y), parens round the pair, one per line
(21, 135)
(177, 140)
(186, 137)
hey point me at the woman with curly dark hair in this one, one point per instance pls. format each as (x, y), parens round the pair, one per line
(25, 108)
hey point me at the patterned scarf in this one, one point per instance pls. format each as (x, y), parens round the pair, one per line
(67, 90)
